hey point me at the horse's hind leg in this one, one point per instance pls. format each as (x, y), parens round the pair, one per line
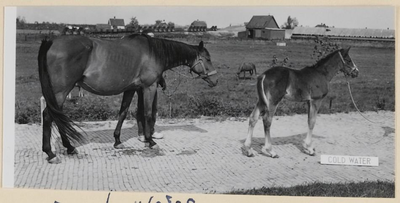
(126, 101)
(70, 149)
(47, 122)
(313, 107)
(46, 145)
(246, 149)
(267, 121)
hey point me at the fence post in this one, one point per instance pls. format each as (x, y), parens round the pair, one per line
(42, 107)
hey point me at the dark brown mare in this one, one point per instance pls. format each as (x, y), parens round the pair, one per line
(246, 67)
(310, 84)
(110, 67)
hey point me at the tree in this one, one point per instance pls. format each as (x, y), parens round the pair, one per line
(134, 23)
(171, 24)
(158, 22)
(291, 23)
(21, 22)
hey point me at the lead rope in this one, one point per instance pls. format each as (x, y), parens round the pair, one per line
(351, 94)
(179, 73)
(352, 99)
(354, 103)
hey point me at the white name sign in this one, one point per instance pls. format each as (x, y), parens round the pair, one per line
(349, 160)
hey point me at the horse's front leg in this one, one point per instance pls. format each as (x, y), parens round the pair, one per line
(126, 101)
(140, 118)
(149, 95)
(313, 107)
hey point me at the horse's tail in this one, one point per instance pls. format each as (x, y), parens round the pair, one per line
(64, 124)
(260, 90)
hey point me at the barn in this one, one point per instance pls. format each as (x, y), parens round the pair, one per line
(116, 23)
(263, 27)
(344, 33)
(198, 26)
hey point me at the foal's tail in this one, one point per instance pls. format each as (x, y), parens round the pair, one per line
(260, 90)
(64, 124)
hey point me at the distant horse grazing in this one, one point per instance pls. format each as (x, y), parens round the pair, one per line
(309, 84)
(110, 67)
(246, 67)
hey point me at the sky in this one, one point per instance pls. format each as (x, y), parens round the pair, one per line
(374, 17)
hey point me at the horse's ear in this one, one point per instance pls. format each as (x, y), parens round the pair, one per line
(201, 45)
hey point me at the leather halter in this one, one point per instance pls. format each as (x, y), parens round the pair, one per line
(206, 74)
(353, 68)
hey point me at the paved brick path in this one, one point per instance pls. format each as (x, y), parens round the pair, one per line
(204, 156)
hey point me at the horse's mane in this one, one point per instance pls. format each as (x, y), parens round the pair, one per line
(323, 60)
(171, 53)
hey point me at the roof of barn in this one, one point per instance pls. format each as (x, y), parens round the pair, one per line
(261, 22)
(199, 23)
(117, 22)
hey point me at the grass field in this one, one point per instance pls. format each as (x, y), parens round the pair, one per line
(378, 189)
(372, 90)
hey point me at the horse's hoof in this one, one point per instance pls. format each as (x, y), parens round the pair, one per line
(54, 160)
(269, 153)
(310, 152)
(309, 149)
(155, 147)
(119, 146)
(75, 151)
(248, 151)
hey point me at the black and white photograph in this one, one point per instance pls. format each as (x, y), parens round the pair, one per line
(227, 100)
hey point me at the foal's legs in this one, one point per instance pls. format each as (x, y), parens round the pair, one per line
(267, 114)
(247, 150)
(313, 107)
(267, 121)
(126, 101)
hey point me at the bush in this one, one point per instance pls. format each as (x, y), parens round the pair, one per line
(205, 106)
(27, 114)
(211, 106)
(83, 109)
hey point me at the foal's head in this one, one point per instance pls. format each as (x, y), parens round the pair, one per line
(348, 67)
(203, 67)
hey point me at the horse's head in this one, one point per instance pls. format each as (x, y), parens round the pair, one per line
(203, 67)
(348, 68)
